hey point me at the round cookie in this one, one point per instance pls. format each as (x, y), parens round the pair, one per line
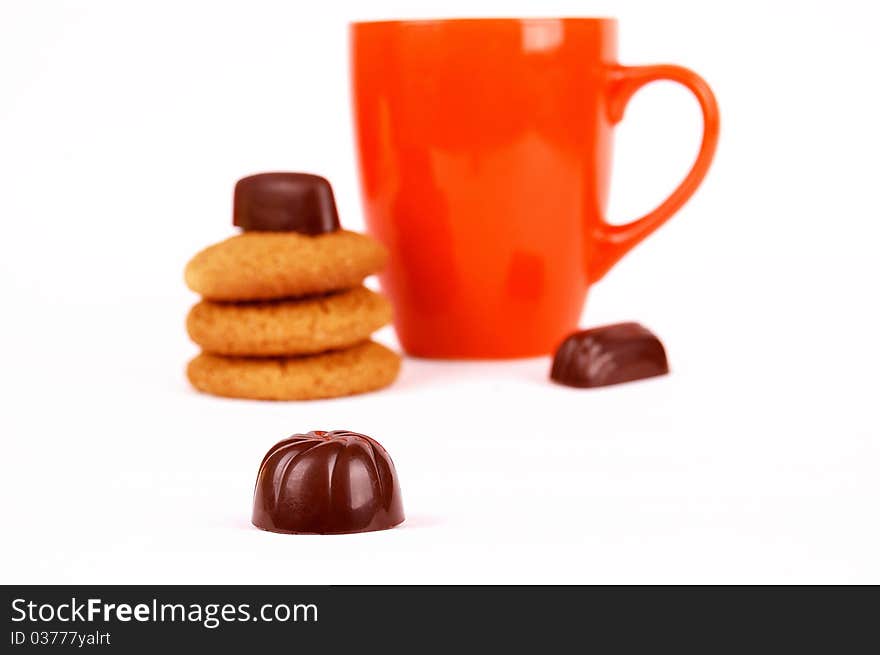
(288, 327)
(270, 265)
(364, 367)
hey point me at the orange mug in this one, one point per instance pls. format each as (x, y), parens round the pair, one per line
(485, 156)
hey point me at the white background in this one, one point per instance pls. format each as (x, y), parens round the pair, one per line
(123, 127)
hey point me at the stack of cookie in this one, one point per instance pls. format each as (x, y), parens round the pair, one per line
(284, 314)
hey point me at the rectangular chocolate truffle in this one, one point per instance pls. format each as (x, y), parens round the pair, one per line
(606, 355)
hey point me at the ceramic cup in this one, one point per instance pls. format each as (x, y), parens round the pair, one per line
(485, 155)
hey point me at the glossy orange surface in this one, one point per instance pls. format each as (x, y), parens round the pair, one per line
(485, 155)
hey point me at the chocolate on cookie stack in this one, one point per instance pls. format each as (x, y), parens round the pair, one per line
(284, 314)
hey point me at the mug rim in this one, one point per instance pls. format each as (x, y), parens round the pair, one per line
(421, 22)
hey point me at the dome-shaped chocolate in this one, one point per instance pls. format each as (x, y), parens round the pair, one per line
(328, 483)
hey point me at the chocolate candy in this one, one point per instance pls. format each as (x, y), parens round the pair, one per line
(327, 483)
(609, 355)
(285, 202)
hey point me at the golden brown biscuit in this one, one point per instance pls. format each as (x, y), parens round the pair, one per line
(364, 367)
(288, 327)
(267, 265)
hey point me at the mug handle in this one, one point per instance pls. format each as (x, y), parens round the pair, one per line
(614, 241)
